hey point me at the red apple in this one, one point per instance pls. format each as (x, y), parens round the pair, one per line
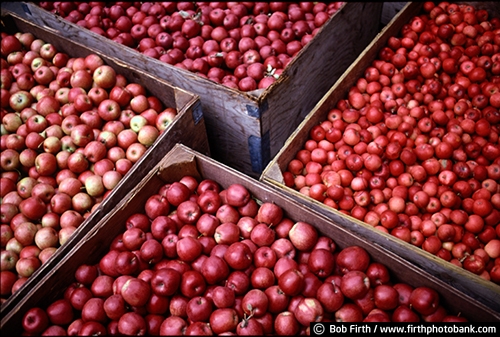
(303, 236)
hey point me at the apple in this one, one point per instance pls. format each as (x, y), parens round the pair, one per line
(192, 284)
(43, 75)
(246, 224)
(106, 263)
(188, 211)
(269, 213)
(135, 151)
(215, 270)
(81, 79)
(7, 280)
(308, 310)
(262, 235)
(125, 138)
(188, 248)
(165, 281)
(70, 218)
(355, 284)
(120, 281)
(48, 51)
(238, 281)
(173, 326)
(132, 323)
(237, 195)
(109, 109)
(255, 303)
(121, 95)
(133, 238)
(32, 207)
(238, 255)
(424, 300)
(86, 274)
(156, 205)
(199, 329)
(137, 122)
(46, 237)
(303, 236)
(35, 320)
(94, 185)
(285, 323)
(291, 282)
(82, 202)
(126, 263)
(199, 309)
(115, 307)
(6, 233)
(353, 258)
(152, 113)
(349, 312)
(136, 292)
(207, 224)
(36, 123)
(60, 312)
(321, 262)
(139, 103)
(265, 257)
(7, 212)
(250, 326)
(262, 278)
(102, 165)
(223, 320)
(148, 135)
(209, 201)
(8, 260)
(26, 266)
(385, 297)
(92, 328)
(12, 121)
(492, 248)
(104, 76)
(227, 214)
(82, 134)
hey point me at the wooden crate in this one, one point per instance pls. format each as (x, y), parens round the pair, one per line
(181, 161)
(389, 10)
(187, 128)
(484, 291)
(247, 129)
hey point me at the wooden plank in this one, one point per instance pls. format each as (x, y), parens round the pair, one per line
(484, 291)
(389, 10)
(181, 161)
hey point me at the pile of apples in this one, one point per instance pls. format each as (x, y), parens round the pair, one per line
(198, 259)
(414, 149)
(71, 130)
(243, 45)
